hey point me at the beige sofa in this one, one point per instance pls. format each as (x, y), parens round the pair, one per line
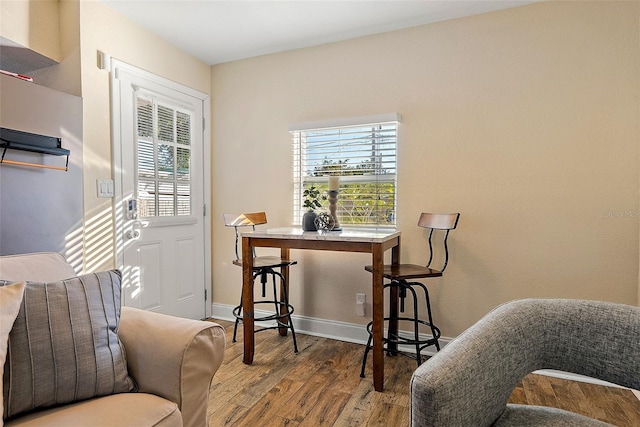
(172, 361)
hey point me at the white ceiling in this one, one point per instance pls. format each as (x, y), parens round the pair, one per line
(217, 31)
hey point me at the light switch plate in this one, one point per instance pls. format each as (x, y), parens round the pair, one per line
(105, 188)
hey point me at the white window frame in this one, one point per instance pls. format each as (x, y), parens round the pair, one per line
(303, 163)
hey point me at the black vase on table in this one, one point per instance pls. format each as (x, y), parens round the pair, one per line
(308, 221)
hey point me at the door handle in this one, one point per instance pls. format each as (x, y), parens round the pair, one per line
(132, 234)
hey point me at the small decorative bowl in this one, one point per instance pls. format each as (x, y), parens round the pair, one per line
(324, 222)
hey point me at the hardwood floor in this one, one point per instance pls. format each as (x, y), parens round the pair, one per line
(321, 386)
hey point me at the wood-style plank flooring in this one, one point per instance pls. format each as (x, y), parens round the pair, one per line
(321, 386)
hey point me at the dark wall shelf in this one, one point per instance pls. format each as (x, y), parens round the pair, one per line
(25, 141)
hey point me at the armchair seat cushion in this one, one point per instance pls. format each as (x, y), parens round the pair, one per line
(117, 410)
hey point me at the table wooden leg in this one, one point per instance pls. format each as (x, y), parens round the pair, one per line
(378, 318)
(247, 300)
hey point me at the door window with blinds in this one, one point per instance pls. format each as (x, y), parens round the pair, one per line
(362, 152)
(163, 159)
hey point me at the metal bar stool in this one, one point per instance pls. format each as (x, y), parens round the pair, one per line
(264, 266)
(400, 286)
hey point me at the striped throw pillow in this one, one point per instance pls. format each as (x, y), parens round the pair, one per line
(64, 344)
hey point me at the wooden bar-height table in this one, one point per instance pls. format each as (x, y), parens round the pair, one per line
(375, 242)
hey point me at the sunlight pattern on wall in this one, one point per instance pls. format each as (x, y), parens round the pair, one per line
(99, 244)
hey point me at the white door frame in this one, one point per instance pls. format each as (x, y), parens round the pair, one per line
(114, 65)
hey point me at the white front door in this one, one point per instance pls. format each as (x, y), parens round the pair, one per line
(160, 193)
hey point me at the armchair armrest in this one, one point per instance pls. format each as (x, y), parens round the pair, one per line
(469, 382)
(174, 358)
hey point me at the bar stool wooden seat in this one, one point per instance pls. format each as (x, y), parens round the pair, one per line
(402, 284)
(264, 266)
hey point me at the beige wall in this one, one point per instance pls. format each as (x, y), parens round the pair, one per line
(65, 76)
(524, 120)
(51, 29)
(105, 30)
(32, 24)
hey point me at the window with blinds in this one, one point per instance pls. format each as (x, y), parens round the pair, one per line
(362, 152)
(163, 159)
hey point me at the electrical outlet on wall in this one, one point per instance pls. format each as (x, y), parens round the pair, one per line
(360, 304)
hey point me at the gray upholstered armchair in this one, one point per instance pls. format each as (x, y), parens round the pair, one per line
(469, 382)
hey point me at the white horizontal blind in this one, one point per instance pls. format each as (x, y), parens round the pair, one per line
(363, 156)
(163, 185)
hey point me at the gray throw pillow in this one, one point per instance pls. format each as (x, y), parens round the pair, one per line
(64, 344)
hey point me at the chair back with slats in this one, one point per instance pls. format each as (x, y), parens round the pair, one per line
(445, 222)
(244, 220)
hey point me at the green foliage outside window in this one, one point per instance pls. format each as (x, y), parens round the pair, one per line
(359, 202)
